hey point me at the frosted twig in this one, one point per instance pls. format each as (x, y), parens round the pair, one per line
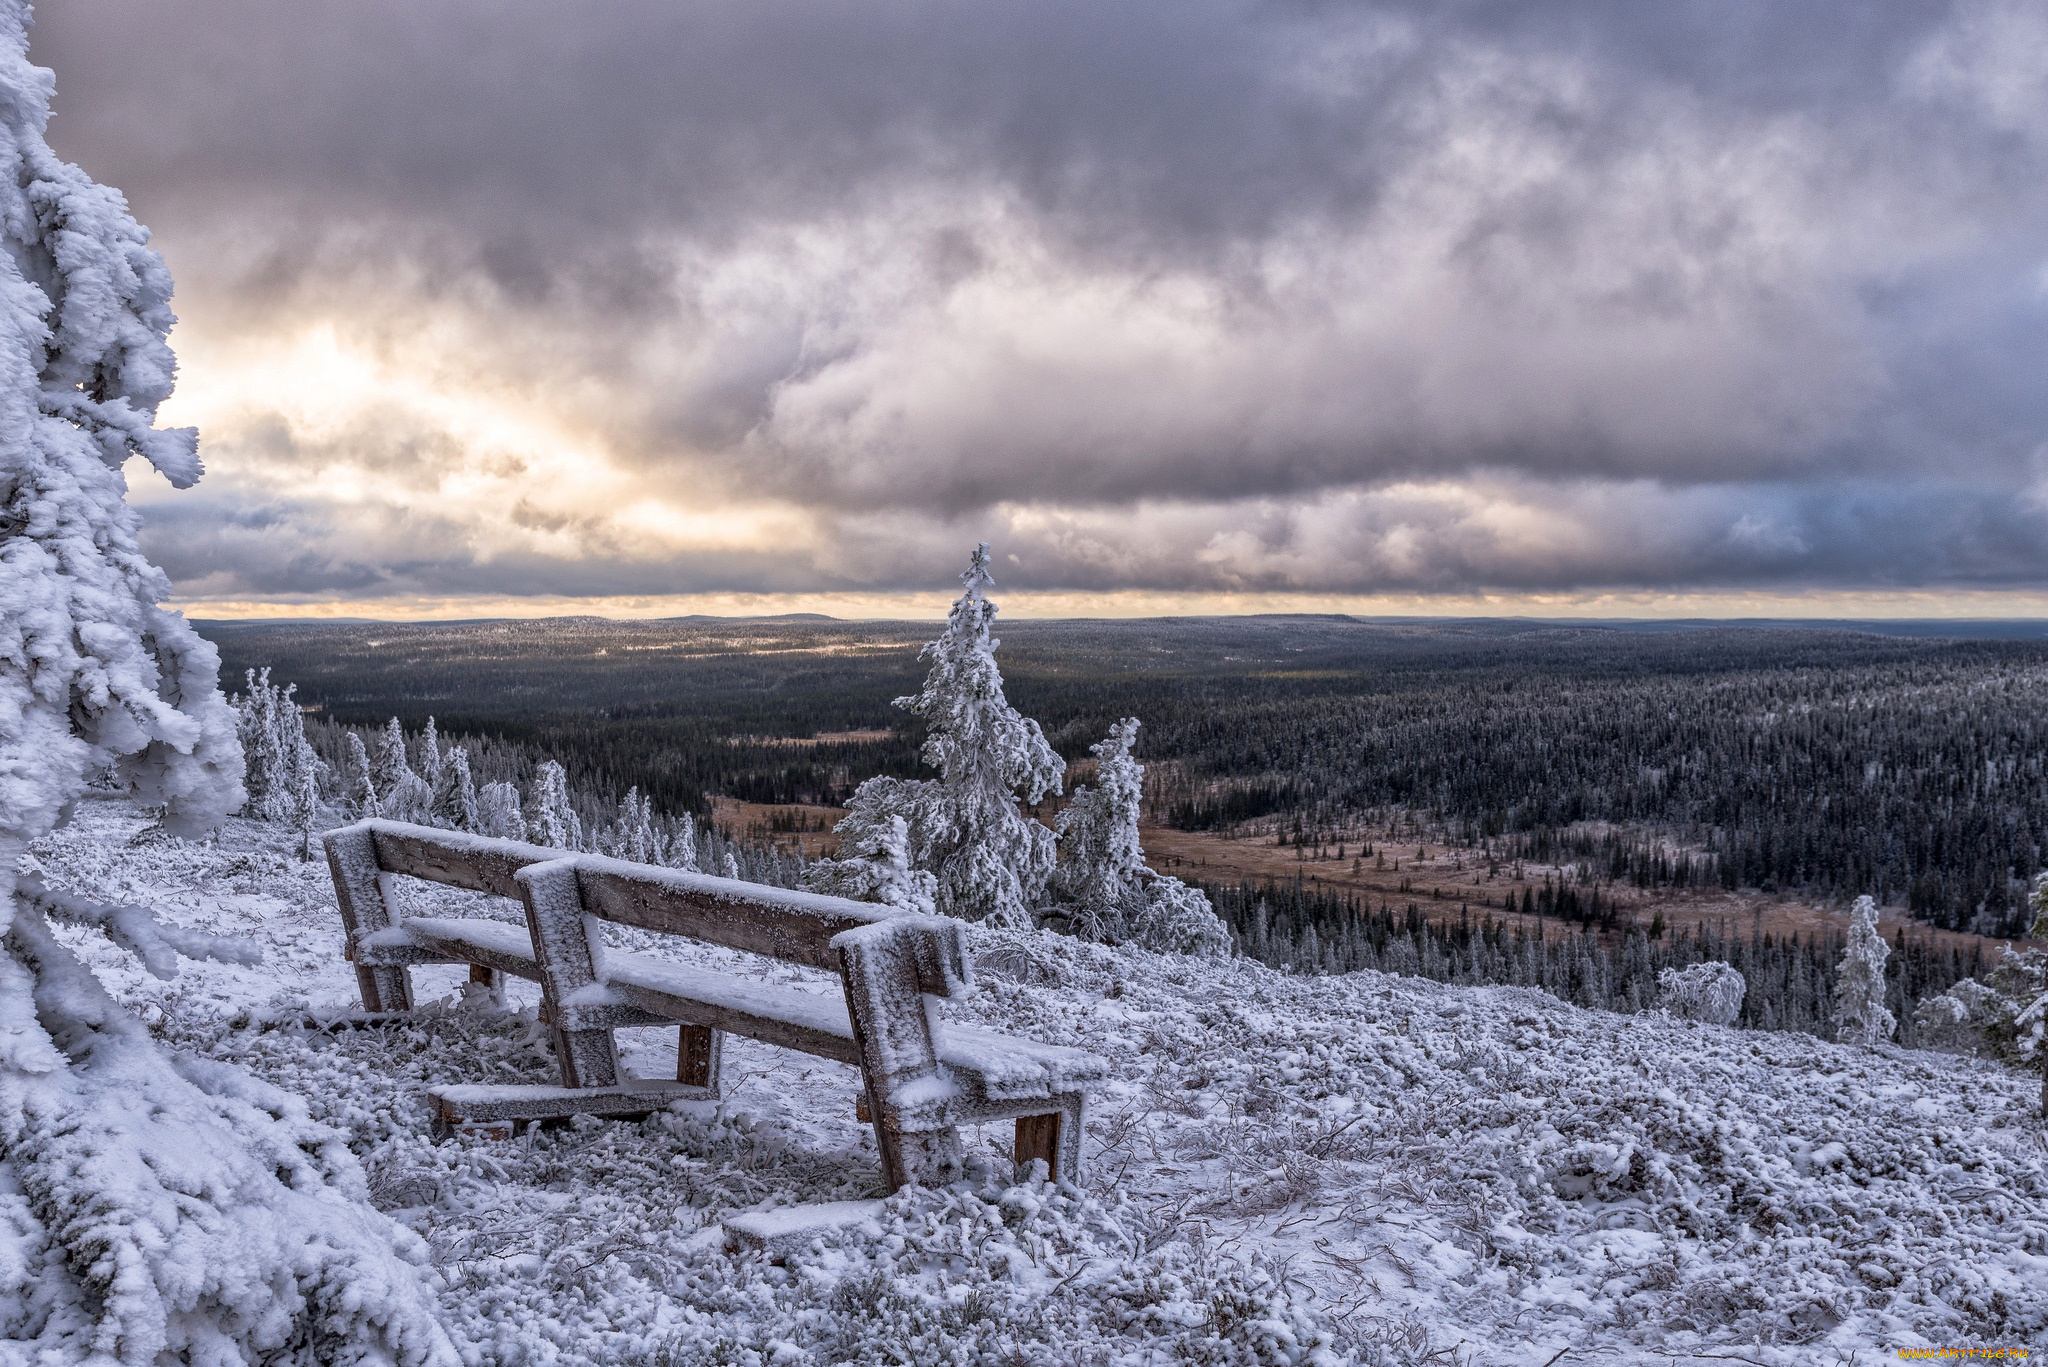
(136, 929)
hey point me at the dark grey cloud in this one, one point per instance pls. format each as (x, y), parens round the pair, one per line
(1217, 280)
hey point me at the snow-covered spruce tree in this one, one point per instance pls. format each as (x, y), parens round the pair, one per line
(991, 861)
(154, 1207)
(263, 761)
(550, 819)
(497, 812)
(1860, 1014)
(874, 866)
(1105, 890)
(631, 835)
(362, 791)
(430, 756)
(389, 769)
(681, 850)
(454, 801)
(277, 757)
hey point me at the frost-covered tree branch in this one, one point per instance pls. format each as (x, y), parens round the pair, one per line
(158, 944)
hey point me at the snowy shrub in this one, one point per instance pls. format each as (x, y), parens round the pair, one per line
(1860, 1014)
(1710, 992)
(1104, 890)
(1999, 1016)
(989, 860)
(154, 1208)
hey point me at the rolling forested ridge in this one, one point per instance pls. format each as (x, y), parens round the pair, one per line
(1829, 762)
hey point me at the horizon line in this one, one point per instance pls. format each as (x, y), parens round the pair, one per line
(1634, 606)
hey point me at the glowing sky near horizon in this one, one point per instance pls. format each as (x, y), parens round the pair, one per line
(634, 307)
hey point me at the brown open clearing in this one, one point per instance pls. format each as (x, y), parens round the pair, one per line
(1442, 881)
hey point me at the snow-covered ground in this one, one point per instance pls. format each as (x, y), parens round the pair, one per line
(1362, 1168)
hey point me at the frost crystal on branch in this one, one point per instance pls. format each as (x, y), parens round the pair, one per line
(1860, 1014)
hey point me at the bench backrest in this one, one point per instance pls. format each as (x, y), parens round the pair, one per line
(796, 927)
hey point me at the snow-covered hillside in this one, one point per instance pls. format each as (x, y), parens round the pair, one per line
(1287, 1169)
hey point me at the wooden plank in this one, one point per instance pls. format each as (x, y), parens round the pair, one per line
(479, 863)
(492, 944)
(795, 927)
(756, 1017)
(469, 1105)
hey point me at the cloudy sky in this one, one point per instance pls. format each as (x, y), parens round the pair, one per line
(652, 305)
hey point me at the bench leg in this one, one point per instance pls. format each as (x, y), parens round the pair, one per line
(1038, 1140)
(491, 978)
(384, 989)
(359, 895)
(566, 944)
(1054, 1136)
(698, 1051)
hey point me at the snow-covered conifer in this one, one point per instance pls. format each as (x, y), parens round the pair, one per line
(1860, 1013)
(1105, 888)
(1710, 992)
(263, 761)
(362, 793)
(729, 866)
(157, 1208)
(305, 809)
(389, 769)
(454, 801)
(497, 812)
(550, 819)
(631, 835)
(990, 860)
(430, 756)
(681, 850)
(874, 866)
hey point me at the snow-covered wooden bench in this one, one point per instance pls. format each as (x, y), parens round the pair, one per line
(922, 1078)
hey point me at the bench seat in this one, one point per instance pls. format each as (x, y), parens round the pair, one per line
(992, 1074)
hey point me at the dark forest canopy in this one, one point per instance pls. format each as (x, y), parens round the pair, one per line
(1825, 759)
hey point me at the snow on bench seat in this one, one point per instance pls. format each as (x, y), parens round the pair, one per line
(1006, 1068)
(808, 1021)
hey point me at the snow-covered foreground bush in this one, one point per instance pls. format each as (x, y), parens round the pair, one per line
(1401, 1166)
(153, 1207)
